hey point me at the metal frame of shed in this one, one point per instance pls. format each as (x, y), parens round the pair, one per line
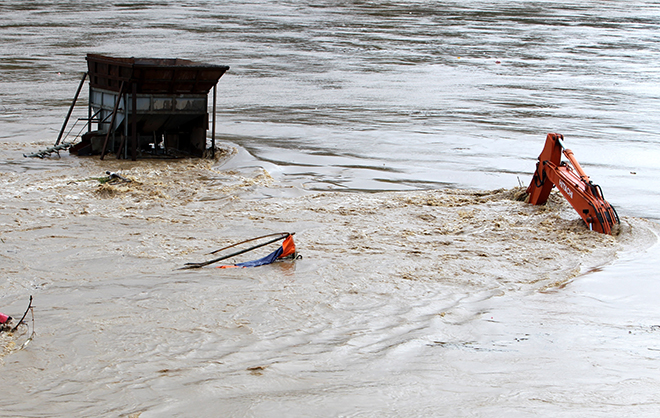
(160, 100)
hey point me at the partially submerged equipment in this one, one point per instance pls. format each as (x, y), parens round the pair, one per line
(585, 196)
(286, 250)
(145, 106)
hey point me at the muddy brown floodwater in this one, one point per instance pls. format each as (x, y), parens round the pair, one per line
(387, 284)
(390, 137)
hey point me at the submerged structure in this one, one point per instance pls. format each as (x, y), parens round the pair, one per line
(146, 107)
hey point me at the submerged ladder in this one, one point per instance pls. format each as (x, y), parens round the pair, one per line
(59, 145)
(48, 151)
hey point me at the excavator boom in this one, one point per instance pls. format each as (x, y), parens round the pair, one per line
(585, 197)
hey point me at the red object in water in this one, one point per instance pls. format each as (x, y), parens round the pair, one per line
(585, 196)
(288, 248)
(3, 318)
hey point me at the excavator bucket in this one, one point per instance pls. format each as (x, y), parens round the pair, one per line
(572, 182)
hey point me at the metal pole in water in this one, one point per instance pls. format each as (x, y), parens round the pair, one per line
(213, 127)
(112, 120)
(134, 140)
(89, 109)
(68, 115)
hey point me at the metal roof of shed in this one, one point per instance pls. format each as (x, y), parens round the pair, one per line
(153, 75)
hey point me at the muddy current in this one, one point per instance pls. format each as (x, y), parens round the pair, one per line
(395, 139)
(395, 295)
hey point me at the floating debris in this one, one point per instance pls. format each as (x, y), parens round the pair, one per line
(48, 151)
(286, 250)
(7, 343)
(5, 321)
(114, 176)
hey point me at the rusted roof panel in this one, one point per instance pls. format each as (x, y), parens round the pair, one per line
(153, 75)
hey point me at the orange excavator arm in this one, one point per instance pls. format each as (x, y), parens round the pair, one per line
(585, 196)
